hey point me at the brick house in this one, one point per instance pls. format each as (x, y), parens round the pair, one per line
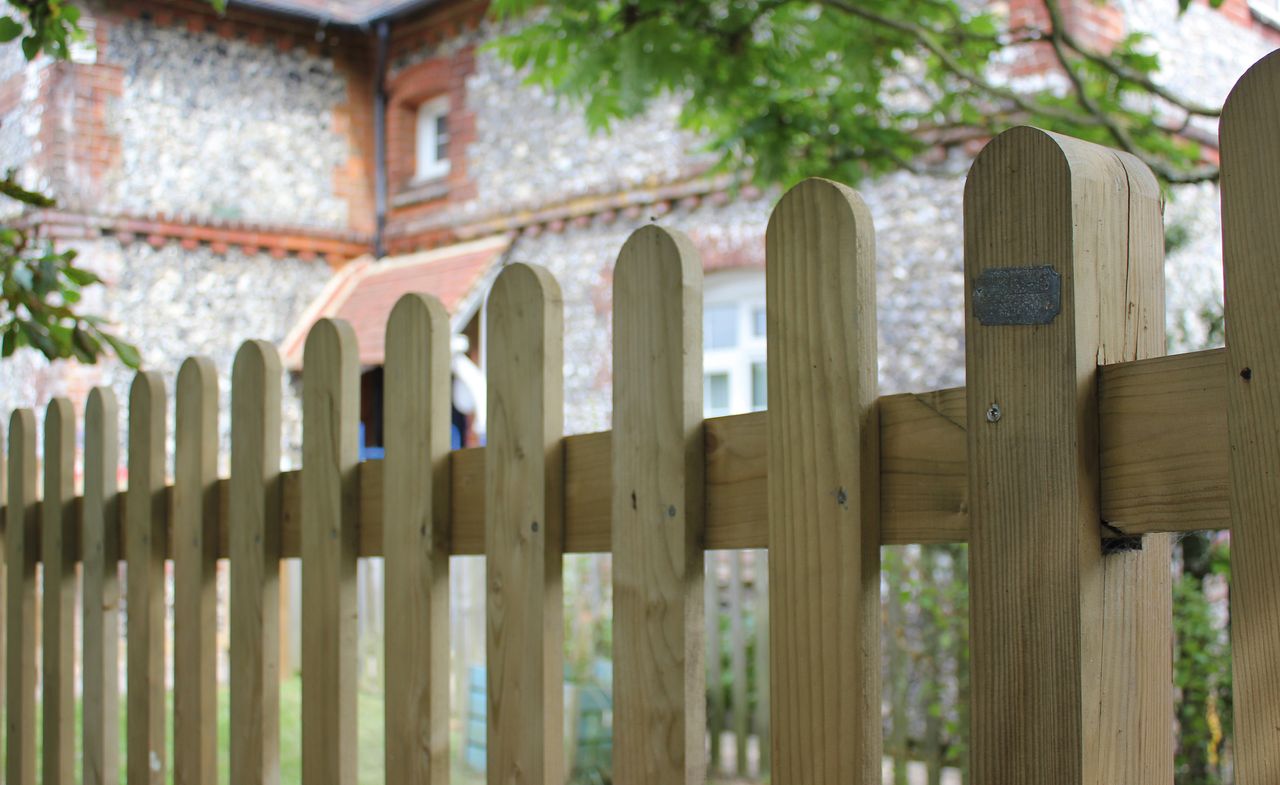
(237, 176)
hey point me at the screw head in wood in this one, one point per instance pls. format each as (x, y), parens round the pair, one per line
(993, 413)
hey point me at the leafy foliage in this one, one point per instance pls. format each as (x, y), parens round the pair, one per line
(49, 26)
(844, 88)
(1202, 663)
(39, 289)
(41, 286)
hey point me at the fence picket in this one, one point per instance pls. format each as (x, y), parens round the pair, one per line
(146, 536)
(59, 595)
(1090, 215)
(524, 509)
(1251, 242)
(659, 673)
(330, 454)
(21, 548)
(760, 592)
(195, 546)
(823, 481)
(416, 541)
(715, 701)
(1070, 624)
(738, 662)
(255, 565)
(101, 546)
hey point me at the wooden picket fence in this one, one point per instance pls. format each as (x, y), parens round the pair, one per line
(1072, 452)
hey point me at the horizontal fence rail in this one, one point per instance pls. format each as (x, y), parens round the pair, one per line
(1071, 455)
(1162, 429)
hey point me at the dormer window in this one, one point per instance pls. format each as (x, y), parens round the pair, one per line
(432, 152)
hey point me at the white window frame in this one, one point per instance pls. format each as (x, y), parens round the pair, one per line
(429, 166)
(744, 290)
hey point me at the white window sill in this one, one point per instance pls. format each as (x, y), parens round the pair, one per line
(419, 191)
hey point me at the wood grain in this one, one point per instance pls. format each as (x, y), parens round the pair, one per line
(22, 551)
(330, 452)
(254, 507)
(1049, 647)
(1163, 446)
(195, 545)
(1135, 666)
(1251, 242)
(659, 683)
(146, 515)
(823, 488)
(58, 599)
(524, 517)
(101, 540)
(416, 540)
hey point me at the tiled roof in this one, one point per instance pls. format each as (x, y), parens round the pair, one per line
(342, 11)
(364, 292)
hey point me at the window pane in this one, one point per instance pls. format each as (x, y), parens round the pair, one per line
(759, 327)
(442, 136)
(720, 327)
(759, 386)
(715, 393)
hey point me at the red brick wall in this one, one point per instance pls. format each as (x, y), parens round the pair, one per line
(80, 151)
(354, 180)
(407, 89)
(1099, 26)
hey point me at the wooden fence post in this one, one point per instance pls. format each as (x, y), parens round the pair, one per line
(59, 597)
(195, 549)
(146, 538)
(21, 536)
(415, 536)
(524, 538)
(330, 456)
(658, 457)
(1071, 661)
(101, 554)
(824, 471)
(1251, 243)
(255, 565)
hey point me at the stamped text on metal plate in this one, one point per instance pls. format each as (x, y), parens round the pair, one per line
(1017, 295)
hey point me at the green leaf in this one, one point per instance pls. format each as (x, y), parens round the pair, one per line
(40, 340)
(9, 29)
(31, 47)
(81, 276)
(127, 352)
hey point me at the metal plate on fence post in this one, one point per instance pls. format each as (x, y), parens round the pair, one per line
(1017, 295)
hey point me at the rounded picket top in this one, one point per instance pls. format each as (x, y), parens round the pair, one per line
(197, 376)
(1018, 149)
(59, 418)
(147, 390)
(1052, 161)
(255, 359)
(416, 310)
(1253, 103)
(831, 213)
(22, 427)
(520, 284)
(659, 257)
(101, 408)
(329, 341)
